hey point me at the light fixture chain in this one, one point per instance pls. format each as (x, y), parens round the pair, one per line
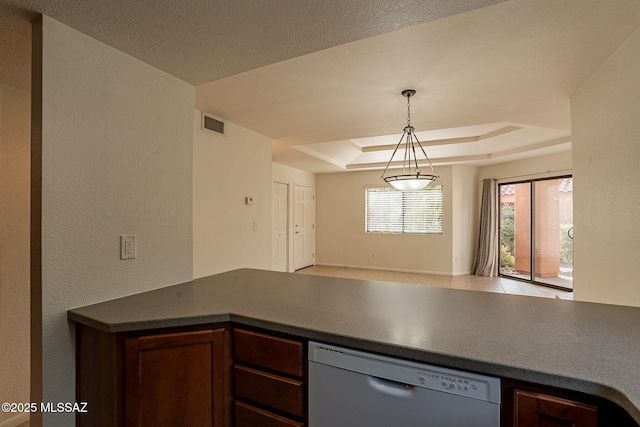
(408, 111)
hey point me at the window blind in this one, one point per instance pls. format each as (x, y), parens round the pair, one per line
(413, 212)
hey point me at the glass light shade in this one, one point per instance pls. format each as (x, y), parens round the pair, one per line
(409, 182)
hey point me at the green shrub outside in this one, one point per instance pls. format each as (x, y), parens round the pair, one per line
(566, 244)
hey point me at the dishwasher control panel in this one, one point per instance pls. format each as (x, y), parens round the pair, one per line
(452, 384)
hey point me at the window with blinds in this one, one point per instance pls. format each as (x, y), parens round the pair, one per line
(413, 212)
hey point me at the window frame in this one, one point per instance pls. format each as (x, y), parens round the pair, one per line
(430, 224)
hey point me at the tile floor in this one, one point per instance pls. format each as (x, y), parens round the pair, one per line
(487, 284)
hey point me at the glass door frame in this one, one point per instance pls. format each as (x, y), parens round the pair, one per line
(532, 225)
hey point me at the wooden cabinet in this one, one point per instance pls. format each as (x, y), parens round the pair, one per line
(541, 410)
(172, 379)
(196, 376)
(158, 378)
(269, 380)
(186, 376)
(526, 404)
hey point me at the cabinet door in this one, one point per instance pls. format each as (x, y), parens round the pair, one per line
(175, 379)
(540, 410)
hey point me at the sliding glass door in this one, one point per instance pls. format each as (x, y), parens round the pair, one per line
(536, 231)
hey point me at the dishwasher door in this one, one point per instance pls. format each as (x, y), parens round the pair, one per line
(349, 388)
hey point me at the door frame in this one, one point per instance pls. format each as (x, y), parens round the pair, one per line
(532, 231)
(293, 225)
(288, 243)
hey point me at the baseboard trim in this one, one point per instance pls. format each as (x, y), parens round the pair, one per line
(398, 270)
(462, 273)
(16, 421)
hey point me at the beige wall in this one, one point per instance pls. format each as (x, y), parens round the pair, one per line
(464, 216)
(14, 247)
(115, 136)
(226, 169)
(291, 176)
(535, 167)
(341, 239)
(606, 155)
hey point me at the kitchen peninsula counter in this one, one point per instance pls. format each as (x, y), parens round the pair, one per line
(585, 347)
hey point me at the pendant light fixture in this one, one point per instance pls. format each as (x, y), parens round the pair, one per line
(411, 178)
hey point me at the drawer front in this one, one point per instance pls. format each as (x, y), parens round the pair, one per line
(283, 394)
(531, 408)
(250, 416)
(278, 354)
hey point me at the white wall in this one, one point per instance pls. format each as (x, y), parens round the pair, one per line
(291, 176)
(606, 155)
(115, 137)
(14, 247)
(226, 169)
(341, 239)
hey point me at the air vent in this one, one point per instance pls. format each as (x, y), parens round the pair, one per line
(212, 124)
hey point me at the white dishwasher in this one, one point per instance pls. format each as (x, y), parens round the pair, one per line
(349, 388)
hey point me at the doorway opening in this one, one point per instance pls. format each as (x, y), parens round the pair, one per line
(536, 231)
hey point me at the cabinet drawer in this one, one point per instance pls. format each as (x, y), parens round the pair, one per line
(283, 394)
(278, 354)
(535, 409)
(250, 416)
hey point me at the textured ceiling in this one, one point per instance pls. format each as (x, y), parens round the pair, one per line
(204, 40)
(323, 78)
(514, 63)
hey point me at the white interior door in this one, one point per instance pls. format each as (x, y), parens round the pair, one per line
(280, 218)
(304, 227)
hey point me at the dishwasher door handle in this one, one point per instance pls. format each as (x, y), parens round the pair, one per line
(392, 388)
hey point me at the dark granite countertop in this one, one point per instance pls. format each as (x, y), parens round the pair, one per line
(587, 347)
